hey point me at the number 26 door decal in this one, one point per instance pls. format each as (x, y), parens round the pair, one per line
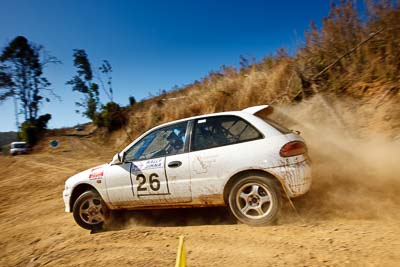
(143, 183)
(148, 178)
(149, 184)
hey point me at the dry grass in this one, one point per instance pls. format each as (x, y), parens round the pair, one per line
(370, 74)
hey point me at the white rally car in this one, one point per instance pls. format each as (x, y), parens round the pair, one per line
(236, 158)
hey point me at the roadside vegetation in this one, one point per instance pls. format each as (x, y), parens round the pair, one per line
(21, 79)
(353, 55)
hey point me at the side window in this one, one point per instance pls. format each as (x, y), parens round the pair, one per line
(222, 130)
(166, 141)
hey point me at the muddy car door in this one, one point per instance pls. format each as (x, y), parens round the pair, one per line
(159, 169)
(177, 168)
(218, 146)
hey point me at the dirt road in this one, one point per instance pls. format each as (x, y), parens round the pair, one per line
(343, 222)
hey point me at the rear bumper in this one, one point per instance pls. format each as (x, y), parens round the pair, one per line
(295, 177)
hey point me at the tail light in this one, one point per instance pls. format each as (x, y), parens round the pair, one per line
(293, 148)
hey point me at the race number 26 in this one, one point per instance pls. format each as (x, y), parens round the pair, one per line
(153, 182)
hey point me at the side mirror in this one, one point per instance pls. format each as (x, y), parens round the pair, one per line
(118, 158)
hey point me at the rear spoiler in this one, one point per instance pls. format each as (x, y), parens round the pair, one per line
(256, 109)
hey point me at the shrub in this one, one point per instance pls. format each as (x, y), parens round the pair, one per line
(32, 130)
(112, 117)
(29, 133)
(132, 100)
(5, 149)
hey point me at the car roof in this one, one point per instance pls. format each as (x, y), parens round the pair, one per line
(18, 143)
(249, 110)
(242, 113)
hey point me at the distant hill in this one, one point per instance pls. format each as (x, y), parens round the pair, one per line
(8, 137)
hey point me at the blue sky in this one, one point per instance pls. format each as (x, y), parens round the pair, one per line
(151, 45)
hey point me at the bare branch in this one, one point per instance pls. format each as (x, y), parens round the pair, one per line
(372, 35)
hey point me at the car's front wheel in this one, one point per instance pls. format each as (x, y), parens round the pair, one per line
(255, 200)
(90, 211)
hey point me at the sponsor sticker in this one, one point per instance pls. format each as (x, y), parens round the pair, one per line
(96, 173)
(135, 168)
(154, 163)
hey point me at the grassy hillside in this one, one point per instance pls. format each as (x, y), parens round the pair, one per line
(7, 137)
(350, 64)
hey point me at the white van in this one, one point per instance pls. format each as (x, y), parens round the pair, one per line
(19, 148)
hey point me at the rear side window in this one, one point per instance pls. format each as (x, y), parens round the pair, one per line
(221, 131)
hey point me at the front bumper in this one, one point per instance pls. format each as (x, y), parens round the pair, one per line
(295, 177)
(66, 197)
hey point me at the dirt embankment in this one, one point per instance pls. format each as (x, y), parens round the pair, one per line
(350, 216)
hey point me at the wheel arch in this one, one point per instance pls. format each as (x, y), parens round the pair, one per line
(79, 190)
(231, 181)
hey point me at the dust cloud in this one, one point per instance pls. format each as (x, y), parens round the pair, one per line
(355, 169)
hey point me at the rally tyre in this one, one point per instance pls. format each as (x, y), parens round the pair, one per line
(255, 200)
(90, 211)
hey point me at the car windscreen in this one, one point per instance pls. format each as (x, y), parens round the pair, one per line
(19, 145)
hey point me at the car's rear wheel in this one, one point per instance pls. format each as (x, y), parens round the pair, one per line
(255, 200)
(90, 211)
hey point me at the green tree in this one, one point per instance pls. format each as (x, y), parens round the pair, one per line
(112, 116)
(83, 83)
(32, 131)
(106, 70)
(21, 76)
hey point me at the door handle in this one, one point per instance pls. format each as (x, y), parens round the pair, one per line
(174, 164)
